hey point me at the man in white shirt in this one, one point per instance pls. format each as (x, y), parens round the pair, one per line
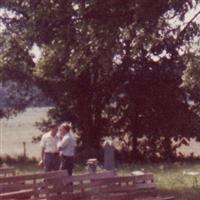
(49, 150)
(67, 147)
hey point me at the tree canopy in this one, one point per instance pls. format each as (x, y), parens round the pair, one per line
(113, 68)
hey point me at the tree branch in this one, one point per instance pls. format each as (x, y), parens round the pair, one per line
(187, 25)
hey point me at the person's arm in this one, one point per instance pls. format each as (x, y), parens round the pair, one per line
(42, 154)
(41, 162)
(63, 143)
(42, 144)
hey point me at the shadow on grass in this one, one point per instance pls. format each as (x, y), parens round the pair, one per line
(181, 194)
(27, 168)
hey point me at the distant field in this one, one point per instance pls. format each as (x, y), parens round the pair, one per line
(14, 132)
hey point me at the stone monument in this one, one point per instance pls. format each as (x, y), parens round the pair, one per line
(109, 160)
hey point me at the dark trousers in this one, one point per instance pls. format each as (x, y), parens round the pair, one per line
(51, 162)
(67, 162)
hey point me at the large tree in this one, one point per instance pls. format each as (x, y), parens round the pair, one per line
(111, 67)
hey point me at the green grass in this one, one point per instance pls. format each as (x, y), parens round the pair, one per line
(26, 168)
(29, 168)
(171, 179)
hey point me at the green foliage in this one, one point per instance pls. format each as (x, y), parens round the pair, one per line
(111, 67)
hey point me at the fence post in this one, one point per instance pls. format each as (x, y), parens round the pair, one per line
(24, 150)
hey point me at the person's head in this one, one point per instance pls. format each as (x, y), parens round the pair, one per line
(54, 129)
(65, 128)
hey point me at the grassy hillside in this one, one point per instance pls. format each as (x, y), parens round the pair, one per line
(21, 129)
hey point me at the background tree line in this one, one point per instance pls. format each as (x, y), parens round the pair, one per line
(114, 68)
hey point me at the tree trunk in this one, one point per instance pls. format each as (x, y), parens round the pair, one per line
(168, 155)
(90, 138)
(135, 153)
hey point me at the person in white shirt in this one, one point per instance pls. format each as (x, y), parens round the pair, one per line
(66, 147)
(49, 150)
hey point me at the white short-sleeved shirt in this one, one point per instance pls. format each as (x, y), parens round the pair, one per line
(49, 143)
(68, 144)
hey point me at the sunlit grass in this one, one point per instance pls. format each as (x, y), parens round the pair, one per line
(175, 179)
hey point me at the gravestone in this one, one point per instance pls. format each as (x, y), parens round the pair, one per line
(109, 160)
(92, 165)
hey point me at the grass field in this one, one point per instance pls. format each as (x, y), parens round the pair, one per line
(173, 179)
(181, 180)
(14, 132)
